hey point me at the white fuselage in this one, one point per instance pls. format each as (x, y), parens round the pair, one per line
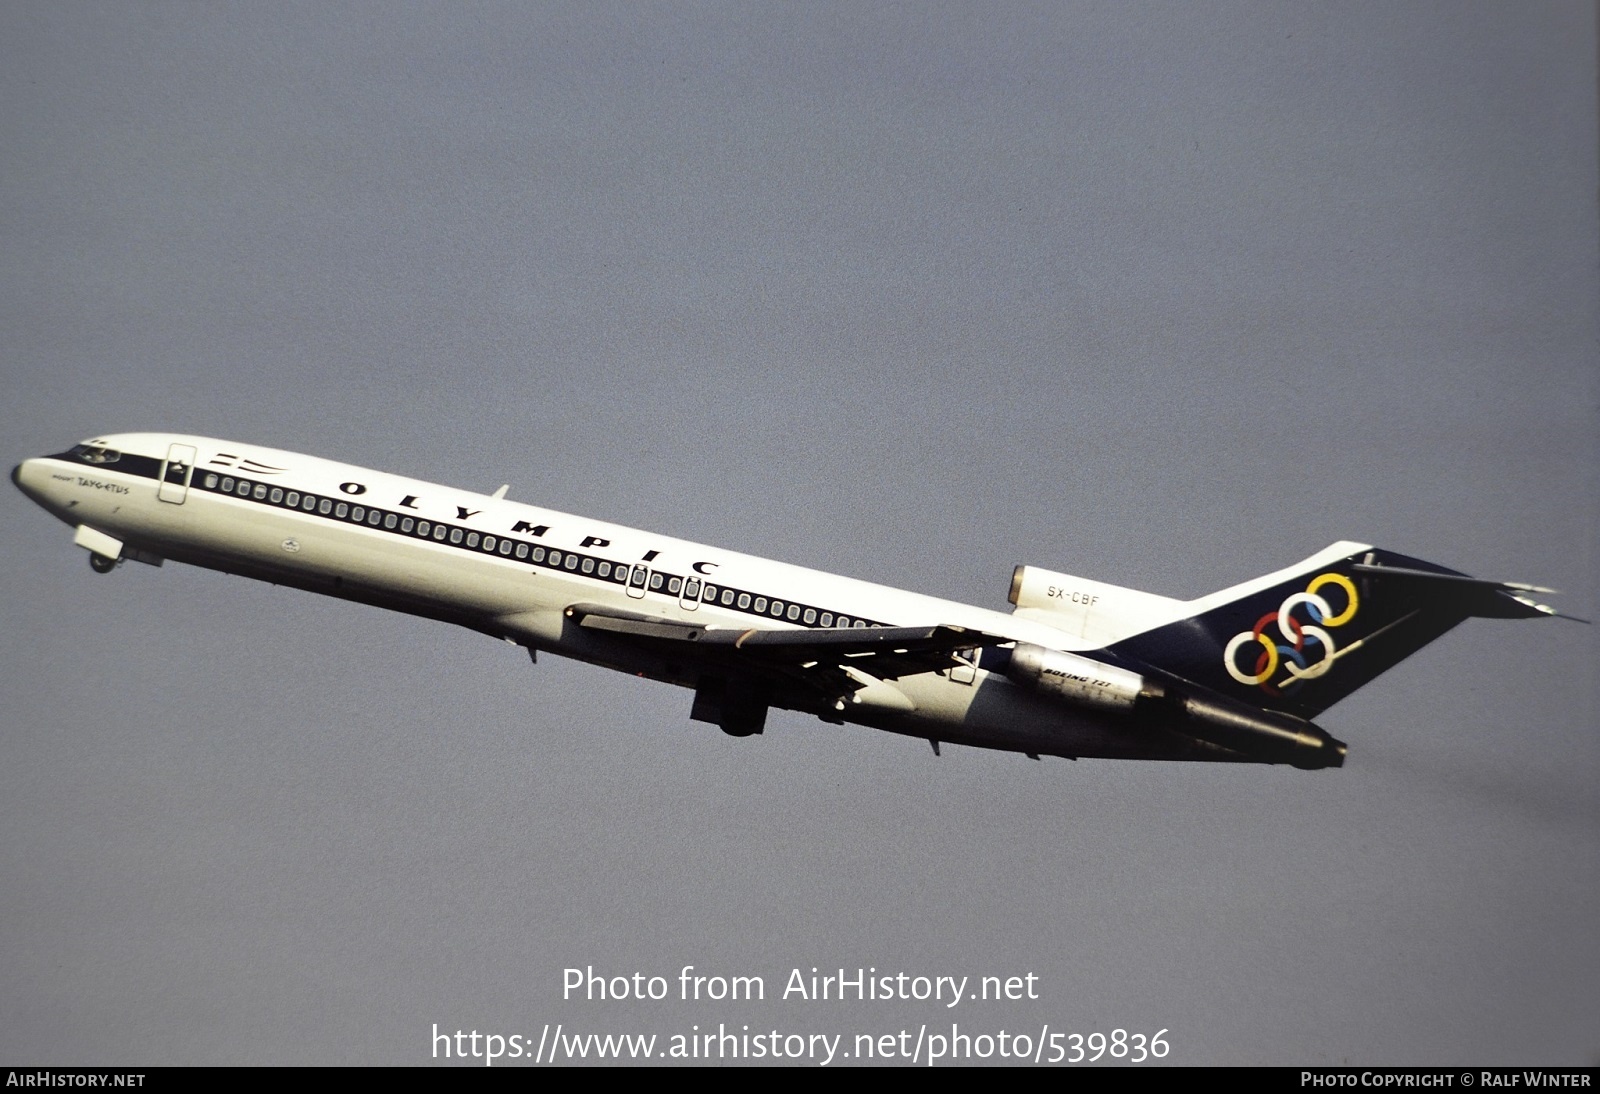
(513, 570)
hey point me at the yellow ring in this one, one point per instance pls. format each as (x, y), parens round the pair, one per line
(1272, 659)
(1349, 588)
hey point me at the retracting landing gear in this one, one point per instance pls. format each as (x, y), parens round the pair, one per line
(738, 706)
(104, 551)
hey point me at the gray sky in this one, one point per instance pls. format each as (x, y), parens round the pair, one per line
(1163, 295)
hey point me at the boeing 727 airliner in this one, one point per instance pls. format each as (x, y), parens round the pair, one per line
(1077, 668)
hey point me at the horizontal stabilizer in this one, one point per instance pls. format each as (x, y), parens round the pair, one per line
(1496, 599)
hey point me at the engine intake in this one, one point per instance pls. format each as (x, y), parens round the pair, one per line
(1076, 679)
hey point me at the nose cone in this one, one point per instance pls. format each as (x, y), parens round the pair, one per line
(26, 475)
(44, 484)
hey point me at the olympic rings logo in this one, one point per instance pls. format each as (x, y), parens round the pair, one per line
(1307, 638)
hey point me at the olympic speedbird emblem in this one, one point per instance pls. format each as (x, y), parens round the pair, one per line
(1310, 651)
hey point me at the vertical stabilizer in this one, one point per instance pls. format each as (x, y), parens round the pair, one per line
(1303, 638)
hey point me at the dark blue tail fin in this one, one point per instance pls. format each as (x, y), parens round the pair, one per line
(1301, 639)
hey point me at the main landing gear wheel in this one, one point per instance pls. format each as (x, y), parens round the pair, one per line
(100, 564)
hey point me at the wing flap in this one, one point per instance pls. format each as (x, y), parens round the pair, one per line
(886, 653)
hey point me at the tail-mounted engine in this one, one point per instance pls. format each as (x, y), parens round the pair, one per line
(1077, 680)
(1086, 609)
(1266, 735)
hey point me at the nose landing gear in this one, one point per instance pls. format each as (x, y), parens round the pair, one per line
(100, 564)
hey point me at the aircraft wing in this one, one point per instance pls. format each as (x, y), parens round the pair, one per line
(819, 657)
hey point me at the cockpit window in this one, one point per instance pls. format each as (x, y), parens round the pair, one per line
(94, 453)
